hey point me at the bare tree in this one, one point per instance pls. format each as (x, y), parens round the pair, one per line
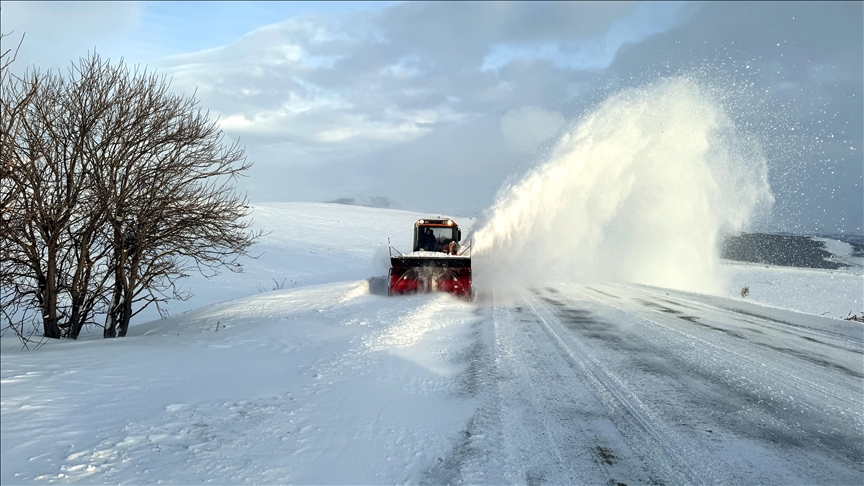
(124, 188)
(53, 237)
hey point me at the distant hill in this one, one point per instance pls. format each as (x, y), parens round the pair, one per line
(784, 250)
(369, 202)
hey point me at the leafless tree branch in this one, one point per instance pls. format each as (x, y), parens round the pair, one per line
(116, 189)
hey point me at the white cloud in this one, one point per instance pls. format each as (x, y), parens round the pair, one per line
(329, 124)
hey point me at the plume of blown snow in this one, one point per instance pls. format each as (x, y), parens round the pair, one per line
(641, 190)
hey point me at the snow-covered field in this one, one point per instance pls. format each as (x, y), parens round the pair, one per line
(323, 382)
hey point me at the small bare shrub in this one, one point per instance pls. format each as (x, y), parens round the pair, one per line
(745, 291)
(278, 285)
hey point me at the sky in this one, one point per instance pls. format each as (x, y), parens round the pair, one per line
(437, 105)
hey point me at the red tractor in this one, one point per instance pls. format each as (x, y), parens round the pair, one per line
(437, 264)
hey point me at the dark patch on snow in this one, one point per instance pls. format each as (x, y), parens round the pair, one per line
(659, 307)
(757, 331)
(678, 304)
(588, 326)
(857, 350)
(808, 338)
(814, 360)
(575, 317)
(476, 375)
(448, 470)
(603, 293)
(534, 478)
(759, 316)
(378, 285)
(554, 302)
(605, 455)
(729, 332)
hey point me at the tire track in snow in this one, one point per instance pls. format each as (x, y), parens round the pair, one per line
(524, 413)
(781, 418)
(849, 340)
(540, 423)
(666, 453)
(741, 348)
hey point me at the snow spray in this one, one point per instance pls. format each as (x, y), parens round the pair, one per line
(641, 190)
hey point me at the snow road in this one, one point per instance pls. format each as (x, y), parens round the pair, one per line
(615, 384)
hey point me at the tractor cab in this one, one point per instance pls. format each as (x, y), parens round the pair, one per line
(435, 234)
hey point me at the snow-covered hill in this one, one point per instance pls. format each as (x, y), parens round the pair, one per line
(322, 382)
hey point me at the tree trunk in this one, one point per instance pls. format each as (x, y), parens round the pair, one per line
(123, 325)
(76, 321)
(115, 309)
(51, 327)
(78, 291)
(111, 319)
(50, 324)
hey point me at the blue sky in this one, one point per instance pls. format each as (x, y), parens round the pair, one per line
(182, 27)
(146, 32)
(351, 99)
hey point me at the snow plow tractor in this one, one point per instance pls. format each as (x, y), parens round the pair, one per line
(438, 263)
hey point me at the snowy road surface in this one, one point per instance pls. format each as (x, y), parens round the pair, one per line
(620, 384)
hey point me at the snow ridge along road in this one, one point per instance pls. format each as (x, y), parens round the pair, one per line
(624, 384)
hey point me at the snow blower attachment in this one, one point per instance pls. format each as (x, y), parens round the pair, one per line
(437, 264)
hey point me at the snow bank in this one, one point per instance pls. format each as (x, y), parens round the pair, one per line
(278, 387)
(830, 293)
